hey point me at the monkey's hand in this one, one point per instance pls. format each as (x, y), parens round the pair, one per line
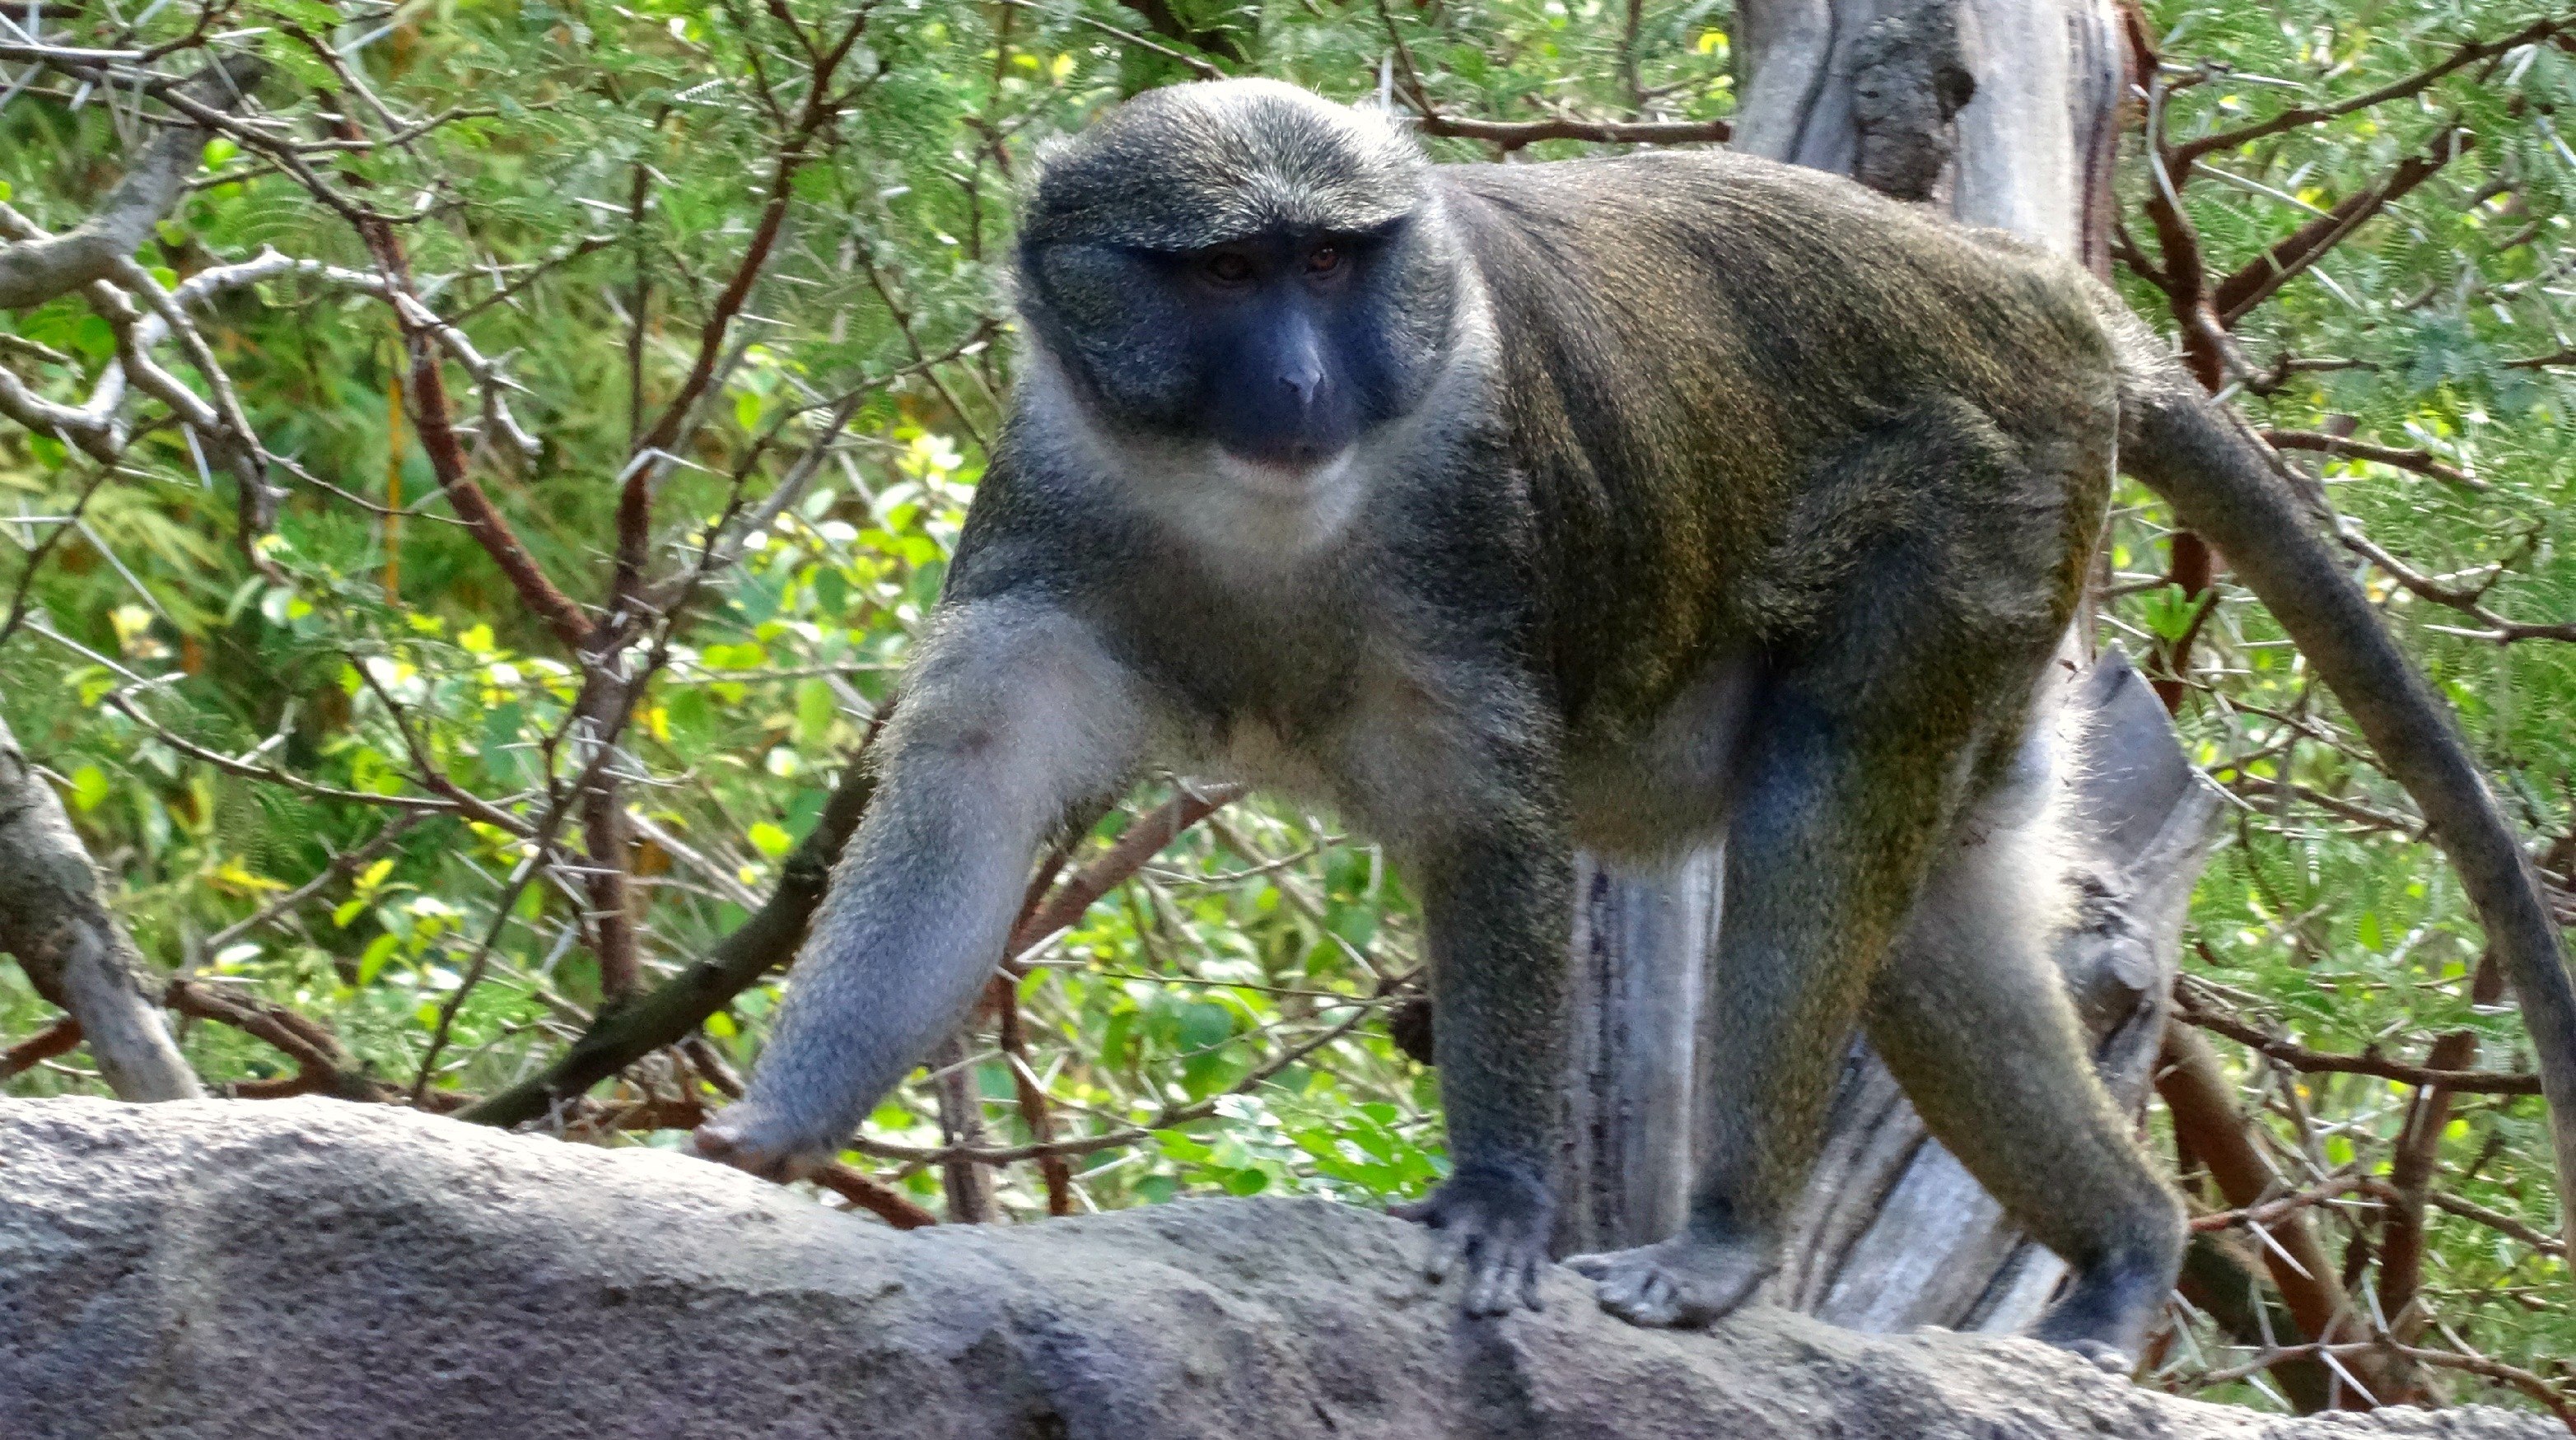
(748, 1137)
(1492, 1220)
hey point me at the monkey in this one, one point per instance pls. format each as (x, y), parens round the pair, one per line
(1634, 504)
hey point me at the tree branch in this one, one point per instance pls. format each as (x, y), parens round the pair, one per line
(671, 1011)
(2257, 279)
(69, 943)
(1513, 134)
(2469, 53)
(432, 422)
(2421, 461)
(60, 1038)
(322, 1066)
(2299, 1057)
(1139, 843)
(35, 271)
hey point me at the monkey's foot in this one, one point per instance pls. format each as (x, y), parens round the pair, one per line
(744, 1138)
(1493, 1221)
(1679, 1284)
(2106, 1310)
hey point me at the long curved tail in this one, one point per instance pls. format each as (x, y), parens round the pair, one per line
(2224, 483)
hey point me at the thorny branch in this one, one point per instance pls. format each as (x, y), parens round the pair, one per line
(1513, 134)
(2190, 1006)
(33, 271)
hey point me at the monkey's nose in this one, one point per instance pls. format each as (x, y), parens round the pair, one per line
(1305, 385)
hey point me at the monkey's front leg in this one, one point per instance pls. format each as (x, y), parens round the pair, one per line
(1495, 908)
(1011, 714)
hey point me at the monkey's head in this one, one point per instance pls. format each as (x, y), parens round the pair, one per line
(1240, 264)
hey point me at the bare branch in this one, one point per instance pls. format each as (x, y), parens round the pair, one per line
(69, 943)
(60, 1038)
(873, 1196)
(435, 426)
(324, 1066)
(2421, 461)
(2257, 280)
(672, 1010)
(1513, 134)
(33, 272)
(1141, 842)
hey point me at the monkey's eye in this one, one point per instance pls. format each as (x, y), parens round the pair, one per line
(1227, 267)
(1323, 260)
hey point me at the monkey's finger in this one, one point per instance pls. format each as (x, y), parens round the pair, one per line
(1530, 1270)
(1490, 1294)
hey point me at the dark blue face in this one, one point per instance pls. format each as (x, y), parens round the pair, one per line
(1279, 339)
(1283, 348)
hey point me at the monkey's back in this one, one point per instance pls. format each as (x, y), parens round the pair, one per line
(1687, 338)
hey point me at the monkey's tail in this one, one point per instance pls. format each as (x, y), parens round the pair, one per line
(2225, 483)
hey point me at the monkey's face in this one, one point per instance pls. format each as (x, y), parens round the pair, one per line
(1240, 266)
(1281, 348)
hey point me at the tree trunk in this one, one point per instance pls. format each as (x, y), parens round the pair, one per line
(2005, 112)
(74, 952)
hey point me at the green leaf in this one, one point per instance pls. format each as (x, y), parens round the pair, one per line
(1247, 1181)
(371, 963)
(89, 787)
(1202, 1025)
(816, 709)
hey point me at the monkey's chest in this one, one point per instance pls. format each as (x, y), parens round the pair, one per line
(1393, 742)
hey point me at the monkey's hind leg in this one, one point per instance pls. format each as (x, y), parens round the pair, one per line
(1933, 571)
(1972, 1017)
(1823, 853)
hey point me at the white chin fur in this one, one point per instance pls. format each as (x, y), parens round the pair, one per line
(1260, 512)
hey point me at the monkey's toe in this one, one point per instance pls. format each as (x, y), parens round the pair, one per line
(1680, 1284)
(2107, 1358)
(730, 1141)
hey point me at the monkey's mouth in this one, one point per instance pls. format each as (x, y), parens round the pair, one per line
(1283, 477)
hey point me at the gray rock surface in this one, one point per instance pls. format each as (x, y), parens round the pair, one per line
(307, 1268)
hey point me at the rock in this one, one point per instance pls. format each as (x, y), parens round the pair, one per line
(310, 1268)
